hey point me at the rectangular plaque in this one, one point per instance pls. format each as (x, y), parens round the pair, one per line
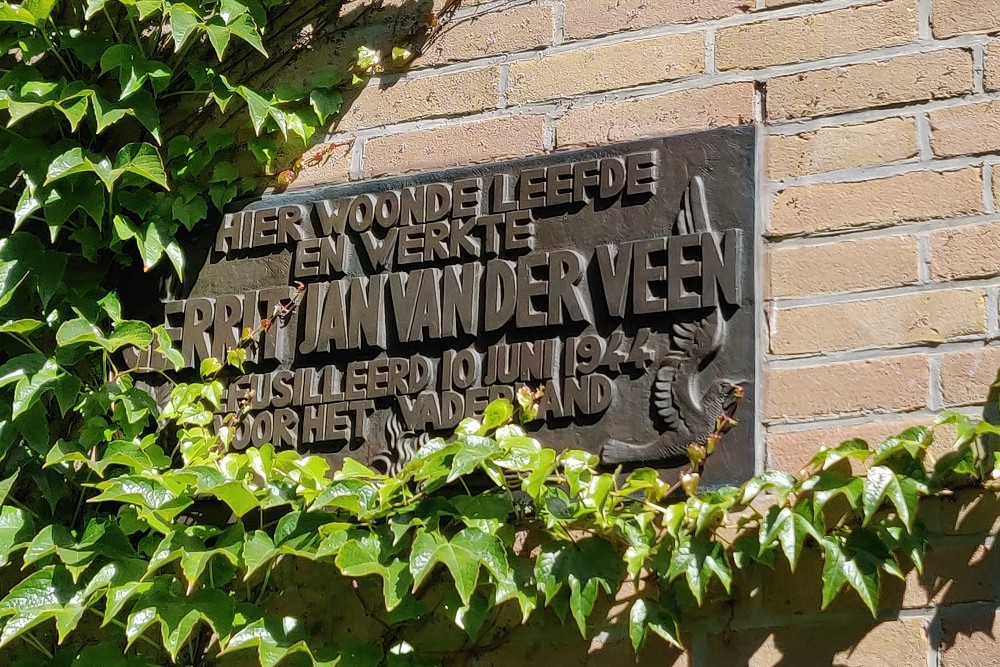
(620, 280)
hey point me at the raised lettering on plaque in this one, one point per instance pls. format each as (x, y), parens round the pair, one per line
(619, 280)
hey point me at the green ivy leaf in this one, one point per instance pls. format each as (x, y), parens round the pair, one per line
(583, 567)
(48, 593)
(183, 21)
(76, 161)
(647, 615)
(143, 160)
(177, 614)
(274, 640)
(16, 527)
(365, 556)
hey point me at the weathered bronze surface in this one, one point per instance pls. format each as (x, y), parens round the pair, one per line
(620, 279)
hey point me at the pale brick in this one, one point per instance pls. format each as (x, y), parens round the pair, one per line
(854, 387)
(966, 252)
(901, 643)
(484, 34)
(908, 319)
(782, 3)
(969, 512)
(957, 17)
(966, 130)
(454, 145)
(687, 110)
(996, 183)
(609, 67)
(422, 97)
(969, 638)
(881, 202)
(991, 76)
(324, 164)
(801, 593)
(966, 376)
(841, 147)
(817, 36)
(589, 18)
(911, 78)
(845, 266)
(791, 450)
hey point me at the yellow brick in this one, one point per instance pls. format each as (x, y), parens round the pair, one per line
(916, 195)
(601, 68)
(912, 78)
(845, 266)
(901, 643)
(966, 129)
(490, 33)
(588, 18)
(966, 376)
(966, 252)
(992, 73)
(324, 168)
(957, 17)
(931, 317)
(996, 183)
(697, 109)
(969, 637)
(791, 450)
(817, 36)
(454, 145)
(422, 97)
(896, 384)
(781, 3)
(841, 147)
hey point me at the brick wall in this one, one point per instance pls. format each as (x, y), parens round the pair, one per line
(879, 148)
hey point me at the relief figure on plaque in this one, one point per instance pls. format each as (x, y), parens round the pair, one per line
(687, 398)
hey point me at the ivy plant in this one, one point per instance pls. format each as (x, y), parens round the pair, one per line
(131, 533)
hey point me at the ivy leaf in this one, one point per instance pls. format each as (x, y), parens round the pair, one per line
(699, 560)
(473, 452)
(5, 487)
(496, 414)
(219, 36)
(16, 527)
(28, 389)
(177, 614)
(855, 448)
(583, 567)
(258, 107)
(93, 6)
(75, 161)
(647, 615)
(463, 556)
(364, 556)
(790, 526)
(829, 484)
(48, 593)
(882, 483)
(274, 640)
(143, 160)
(852, 561)
(780, 483)
(245, 28)
(325, 103)
(913, 441)
(183, 20)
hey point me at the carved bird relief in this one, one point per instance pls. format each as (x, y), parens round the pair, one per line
(684, 397)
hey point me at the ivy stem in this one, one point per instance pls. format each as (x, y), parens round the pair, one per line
(30, 638)
(121, 625)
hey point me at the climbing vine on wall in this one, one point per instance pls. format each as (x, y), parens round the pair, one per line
(130, 533)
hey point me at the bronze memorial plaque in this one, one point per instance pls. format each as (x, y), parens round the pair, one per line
(618, 279)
